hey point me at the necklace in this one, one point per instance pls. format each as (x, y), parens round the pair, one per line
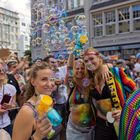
(83, 93)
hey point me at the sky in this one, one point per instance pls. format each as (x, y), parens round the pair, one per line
(20, 6)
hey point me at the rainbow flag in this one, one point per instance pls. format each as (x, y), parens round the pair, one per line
(129, 128)
(124, 84)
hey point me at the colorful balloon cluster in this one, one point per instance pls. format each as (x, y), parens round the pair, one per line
(130, 118)
(57, 34)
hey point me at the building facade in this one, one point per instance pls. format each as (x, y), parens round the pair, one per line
(116, 26)
(9, 29)
(24, 34)
(113, 26)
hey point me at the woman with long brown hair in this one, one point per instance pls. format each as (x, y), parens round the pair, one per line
(26, 125)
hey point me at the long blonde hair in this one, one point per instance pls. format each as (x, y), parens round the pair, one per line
(78, 82)
(97, 73)
(74, 68)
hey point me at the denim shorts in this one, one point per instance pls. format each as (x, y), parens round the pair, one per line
(74, 132)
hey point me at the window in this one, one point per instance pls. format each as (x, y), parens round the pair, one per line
(98, 31)
(110, 29)
(110, 16)
(99, 1)
(124, 13)
(124, 27)
(137, 25)
(75, 3)
(55, 2)
(110, 22)
(124, 20)
(98, 24)
(136, 17)
(23, 24)
(97, 19)
(136, 11)
(26, 38)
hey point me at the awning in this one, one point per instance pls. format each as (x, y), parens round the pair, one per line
(108, 48)
(134, 46)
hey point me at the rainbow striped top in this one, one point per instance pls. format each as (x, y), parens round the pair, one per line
(124, 84)
(130, 118)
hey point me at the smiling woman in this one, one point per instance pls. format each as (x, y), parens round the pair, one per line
(81, 118)
(28, 124)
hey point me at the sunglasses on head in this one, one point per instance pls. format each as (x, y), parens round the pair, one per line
(92, 53)
(53, 62)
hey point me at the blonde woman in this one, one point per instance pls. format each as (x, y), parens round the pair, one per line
(81, 118)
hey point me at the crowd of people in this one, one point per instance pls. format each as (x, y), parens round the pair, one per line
(89, 92)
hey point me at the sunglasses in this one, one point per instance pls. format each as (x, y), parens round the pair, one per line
(53, 62)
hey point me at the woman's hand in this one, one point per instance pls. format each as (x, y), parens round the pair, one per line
(43, 127)
(116, 114)
(7, 106)
(105, 72)
(2, 111)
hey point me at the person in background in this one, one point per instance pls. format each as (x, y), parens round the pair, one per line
(132, 59)
(9, 91)
(27, 74)
(137, 64)
(137, 70)
(122, 64)
(51, 61)
(61, 61)
(13, 68)
(26, 125)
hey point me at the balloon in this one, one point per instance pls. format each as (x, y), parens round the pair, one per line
(74, 29)
(52, 11)
(35, 5)
(33, 42)
(41, 5)
(81, 20)
(38, 40)
(46, 27)
(90, 67)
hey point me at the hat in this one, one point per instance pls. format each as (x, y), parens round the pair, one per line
(132, 57)
(11, 62)
(120, 61)
(138, 55)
